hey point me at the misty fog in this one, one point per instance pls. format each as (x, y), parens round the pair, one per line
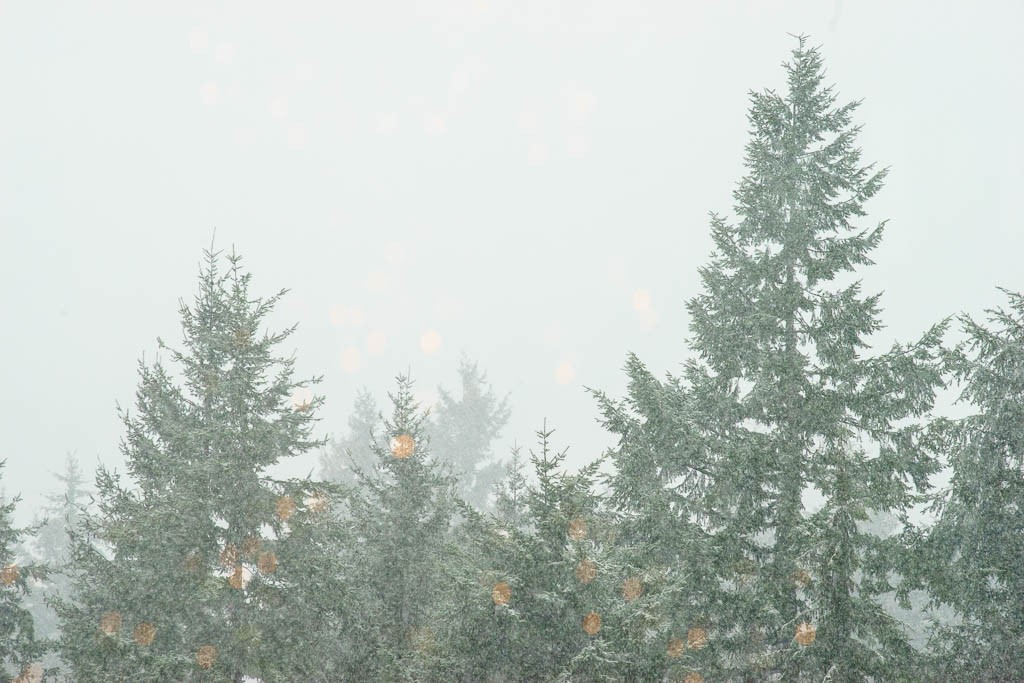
(501, 202)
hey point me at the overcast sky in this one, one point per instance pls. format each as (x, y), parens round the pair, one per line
(524, 181)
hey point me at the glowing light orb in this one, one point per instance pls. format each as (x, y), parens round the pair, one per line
(642, 300)
(435, 124)
(580, 104)
(206, 656)
(209, 93)
(592, 623)
(402, 446)
(32, 673)
(632, 588)
(501, 593)
(430, 342)
(251, 545)
(378, 281)
(696, 638)
(9, 574)
(285, 508)
(351, 360)
(317, 502)
(144, 633)
(229, 556)
(302, 399)
(421, 639)
(578, 529)
(375, 342)
(801, 577)
(193, 562)
(586, 571)
(110, 623)
(564, 373)
(805, 633)
(267, 562)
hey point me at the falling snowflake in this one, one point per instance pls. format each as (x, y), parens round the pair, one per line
(592, 623)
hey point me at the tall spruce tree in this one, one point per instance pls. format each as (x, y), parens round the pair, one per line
(20, 650)
(200, 568)
(510, 492)
(781, 399)
(463, 429)
(537, 576)
(971, 558)
(399, 513)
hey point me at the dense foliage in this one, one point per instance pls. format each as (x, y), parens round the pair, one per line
(782, 400)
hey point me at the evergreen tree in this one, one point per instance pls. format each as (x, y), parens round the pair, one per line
(463, 430)
(201, 568)
(663, 469)
(510, 492)
(970, 559)
(52, 545)
(399, 512)
(339, 462)
(20, 651)
(781, 400)
(530, 579)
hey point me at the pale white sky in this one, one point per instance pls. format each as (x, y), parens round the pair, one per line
(509, 179)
